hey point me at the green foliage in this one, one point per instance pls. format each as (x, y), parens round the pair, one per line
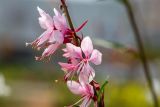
(101, 91)
(130, 94)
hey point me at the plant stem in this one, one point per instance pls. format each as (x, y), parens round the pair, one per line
(97, 103)
(76, 42)
(142, 54)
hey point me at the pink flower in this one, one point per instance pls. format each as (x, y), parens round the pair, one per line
(79, 60)
(60, 22)
(83, 89)
(46, 22)
(54, 34)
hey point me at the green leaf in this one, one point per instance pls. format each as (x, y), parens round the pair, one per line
(102, 89)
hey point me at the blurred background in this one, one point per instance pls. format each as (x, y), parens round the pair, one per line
(25, 82)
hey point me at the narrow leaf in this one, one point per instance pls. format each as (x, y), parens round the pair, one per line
(102, 89)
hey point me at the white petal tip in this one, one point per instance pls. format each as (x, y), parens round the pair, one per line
(56, 12)
(38, 8)
(54, 9)
(27, 44)
(87, 37)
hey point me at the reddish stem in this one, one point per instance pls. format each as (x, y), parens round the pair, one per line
(75, 37)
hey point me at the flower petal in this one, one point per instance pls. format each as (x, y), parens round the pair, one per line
(86, 102)
(87, 75)
(45, 20)
(87, 46)
(67, 66)
(91, 73)
(96, 57)
(56, 37)
(73, 51)
(59, 21)
(56, 12)
(42, 22)
(75, 87)
(44, 37)
(48, 51)
(83, 76)
(59, 37)
(74, 61)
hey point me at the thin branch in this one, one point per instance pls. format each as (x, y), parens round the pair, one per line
(142, 53)
(76, 42)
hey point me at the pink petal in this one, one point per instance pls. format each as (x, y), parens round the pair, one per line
(59, 24)
(45, 20)
(42, 22)
(56, 12)
(59, 37)
(87, 75)
(66, 55)
(44, 37)
(64, 50)
(73, 51)
(89, 90)
(75, 87)
(66, 66)
(83, 76)
(56, 37)
(91, 73)
(87, 46)
(96, 57)
(49, 51)
(41, 40)
(59, 21)
(74, 61)
(86, 102)
(41, 12)
(52, 37)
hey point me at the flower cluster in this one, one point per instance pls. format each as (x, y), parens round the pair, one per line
(79, 58)
(56, 33)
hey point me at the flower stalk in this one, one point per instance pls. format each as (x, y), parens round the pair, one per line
(142, 53)
(64, 6)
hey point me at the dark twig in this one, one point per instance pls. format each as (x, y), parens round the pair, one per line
(142, 54)
(76, 42)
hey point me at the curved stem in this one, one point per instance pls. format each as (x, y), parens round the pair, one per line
(76, 42)
(142, 54)
(96, 102)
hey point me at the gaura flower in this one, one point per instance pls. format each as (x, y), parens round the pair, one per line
(54, 34)
(83, 89)
(79, 60)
